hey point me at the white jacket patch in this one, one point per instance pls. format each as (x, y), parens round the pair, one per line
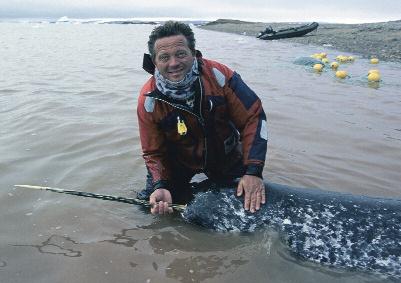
(221, 79)
(149, 104)
(263, 130)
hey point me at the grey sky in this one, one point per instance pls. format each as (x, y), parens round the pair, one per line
(255, 10)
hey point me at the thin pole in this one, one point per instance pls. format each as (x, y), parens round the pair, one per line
(176, 207)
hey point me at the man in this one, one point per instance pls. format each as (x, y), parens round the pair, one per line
(197, 115)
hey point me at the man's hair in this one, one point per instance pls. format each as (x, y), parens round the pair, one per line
(171, 28)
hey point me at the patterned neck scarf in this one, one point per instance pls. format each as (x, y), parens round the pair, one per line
(183, 90)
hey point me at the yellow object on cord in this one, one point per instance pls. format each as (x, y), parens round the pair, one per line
(181, 127)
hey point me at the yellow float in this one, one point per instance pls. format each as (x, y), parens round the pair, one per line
(334, 65)
(341, 58)
(318, 67)
(373, 71)
(317, 56)
(341, 74)
(374, 77)
(374, 61)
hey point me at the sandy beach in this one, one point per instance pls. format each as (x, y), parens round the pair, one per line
(381, 40)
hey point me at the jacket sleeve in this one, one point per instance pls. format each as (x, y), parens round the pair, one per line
(153, 142)
(246, 111)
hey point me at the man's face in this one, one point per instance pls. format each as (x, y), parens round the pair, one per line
(173, 58)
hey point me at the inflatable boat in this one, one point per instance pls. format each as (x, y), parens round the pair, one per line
(270, 34)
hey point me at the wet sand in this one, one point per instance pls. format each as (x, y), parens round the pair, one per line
(382, 40)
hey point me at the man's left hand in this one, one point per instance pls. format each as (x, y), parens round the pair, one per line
(254, 192)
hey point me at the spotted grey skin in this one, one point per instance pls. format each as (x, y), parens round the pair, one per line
(326, 227)
(307, 61)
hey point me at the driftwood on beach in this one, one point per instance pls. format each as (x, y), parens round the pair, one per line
(382, 40)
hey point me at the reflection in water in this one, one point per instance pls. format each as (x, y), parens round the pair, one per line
(123, 239)
(57, 245)
(164, 237)
(199, 268)
(166, 242)
(133, 264)
(374, 85)
(190, 255)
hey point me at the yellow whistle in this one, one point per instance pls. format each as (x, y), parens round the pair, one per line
(181, 127)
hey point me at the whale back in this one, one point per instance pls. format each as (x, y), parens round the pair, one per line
(326, 227)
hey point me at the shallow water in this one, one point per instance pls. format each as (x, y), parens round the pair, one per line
(68, 119)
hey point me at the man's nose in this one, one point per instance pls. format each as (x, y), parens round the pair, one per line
(173, 61)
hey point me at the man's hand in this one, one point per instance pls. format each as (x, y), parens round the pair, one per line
(254, 192)
(159, 202)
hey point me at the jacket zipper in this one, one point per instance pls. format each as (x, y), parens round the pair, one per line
(202, 122)
(199, 118)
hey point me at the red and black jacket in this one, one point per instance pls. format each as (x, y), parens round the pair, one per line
(226, 124)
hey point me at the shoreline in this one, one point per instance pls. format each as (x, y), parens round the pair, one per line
(381, 40)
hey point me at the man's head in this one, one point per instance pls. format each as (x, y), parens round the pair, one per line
(171, 28)
(172, 48)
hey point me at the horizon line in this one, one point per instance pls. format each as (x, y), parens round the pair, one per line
(205, 19)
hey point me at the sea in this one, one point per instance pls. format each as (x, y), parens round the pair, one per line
(68, 98)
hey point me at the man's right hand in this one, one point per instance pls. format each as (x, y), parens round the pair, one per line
(159, 201)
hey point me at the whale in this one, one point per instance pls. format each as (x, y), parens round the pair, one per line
(330, 228)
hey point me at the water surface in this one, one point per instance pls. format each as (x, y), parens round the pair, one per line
(68, 119)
